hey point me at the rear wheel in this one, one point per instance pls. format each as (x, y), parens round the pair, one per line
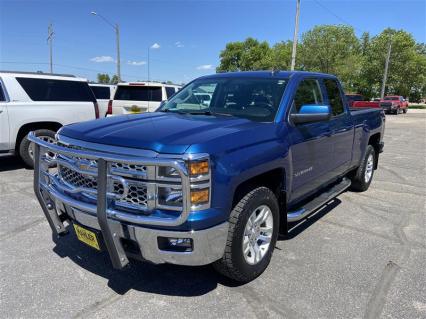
(26, 148)
(363, 176)
(253, 232)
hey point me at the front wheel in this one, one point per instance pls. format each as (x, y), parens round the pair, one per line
(253, 232)
(26, 148)
(405, 110)
(363, 176)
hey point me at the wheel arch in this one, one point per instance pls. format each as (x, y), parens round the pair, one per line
(28, 127)
(275, 180)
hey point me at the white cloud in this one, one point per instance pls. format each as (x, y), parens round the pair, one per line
(179, 44)
(205, 67)
(155, 46)
(102, 58)
(136, 63)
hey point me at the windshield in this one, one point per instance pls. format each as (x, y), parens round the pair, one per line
(391, 98)
(257, 99)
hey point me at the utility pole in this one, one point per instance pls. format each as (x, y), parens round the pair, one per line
(149, 49)
(295, 36)
(117, 33)
(50, 40)
(385, 74)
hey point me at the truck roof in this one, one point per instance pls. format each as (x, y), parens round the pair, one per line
(37, 75)
(269, 74)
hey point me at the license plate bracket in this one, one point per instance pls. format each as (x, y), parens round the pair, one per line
(87, 236)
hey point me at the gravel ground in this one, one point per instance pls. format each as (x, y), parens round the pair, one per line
(363, 256)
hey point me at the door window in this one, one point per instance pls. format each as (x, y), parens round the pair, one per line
(334, 97)
(308, 92)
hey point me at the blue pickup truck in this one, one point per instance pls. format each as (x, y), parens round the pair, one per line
(209, 180)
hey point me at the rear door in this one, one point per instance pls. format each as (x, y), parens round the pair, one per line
(311, 149)
(341, 126)
(4, 121)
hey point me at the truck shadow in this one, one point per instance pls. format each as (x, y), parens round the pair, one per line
(294, 229)
(163, 279)
(10, 163)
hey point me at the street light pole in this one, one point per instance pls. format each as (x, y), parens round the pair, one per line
(296, 33)
(117, 34)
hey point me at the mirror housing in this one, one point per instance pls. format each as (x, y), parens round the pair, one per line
(310, 113)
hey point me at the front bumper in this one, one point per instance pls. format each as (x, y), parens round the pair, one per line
(208, 245)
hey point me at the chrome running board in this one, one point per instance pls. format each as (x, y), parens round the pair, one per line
(318, 201)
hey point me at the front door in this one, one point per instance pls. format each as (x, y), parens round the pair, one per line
(311, 148)
(342, 129)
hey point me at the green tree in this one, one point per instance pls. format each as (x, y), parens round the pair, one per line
(281, 55)
(407, 66)
(114, 79)
(103, 78)
(245, 56)
(332, 49)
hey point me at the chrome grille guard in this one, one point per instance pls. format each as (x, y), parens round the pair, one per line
(104, 213)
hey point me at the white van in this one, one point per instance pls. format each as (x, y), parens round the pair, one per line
(140, 97)
(104, 94)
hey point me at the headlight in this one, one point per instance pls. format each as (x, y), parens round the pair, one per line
(167, 171)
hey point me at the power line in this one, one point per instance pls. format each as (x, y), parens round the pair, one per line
(72, 67)
(336, 16)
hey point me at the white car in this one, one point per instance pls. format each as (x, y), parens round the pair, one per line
(140, 97)
(103, 94)
(42, 103)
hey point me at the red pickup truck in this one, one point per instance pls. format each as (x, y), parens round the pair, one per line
(394, 104)
(358, 101)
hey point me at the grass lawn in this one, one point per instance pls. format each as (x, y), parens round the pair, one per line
(417, 106)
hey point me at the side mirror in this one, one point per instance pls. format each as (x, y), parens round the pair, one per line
(311, 113)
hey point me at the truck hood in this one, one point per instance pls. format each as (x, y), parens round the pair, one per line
(172, 133)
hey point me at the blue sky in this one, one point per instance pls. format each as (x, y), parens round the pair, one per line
(189, 34)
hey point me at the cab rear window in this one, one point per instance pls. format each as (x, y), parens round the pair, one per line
(56, 90)
(139, 93)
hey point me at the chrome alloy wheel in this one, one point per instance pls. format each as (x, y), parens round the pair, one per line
(369, 168)
(48, 139)
(258, 234)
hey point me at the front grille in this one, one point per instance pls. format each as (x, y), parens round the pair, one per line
(77, 179)
(136, 197)
(129, 167)
(137, 191)
(386, 104)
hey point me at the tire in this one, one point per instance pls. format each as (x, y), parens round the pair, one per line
(405, 110)
(396, 112)
(360, 183)
(25, 146)
(234, 264)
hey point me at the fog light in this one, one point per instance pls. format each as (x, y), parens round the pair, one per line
(199, 168)
(175, 244)
(200, 196)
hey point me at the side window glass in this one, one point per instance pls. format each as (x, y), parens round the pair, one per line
(2, 95)
(334, 97)
(308, 92)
